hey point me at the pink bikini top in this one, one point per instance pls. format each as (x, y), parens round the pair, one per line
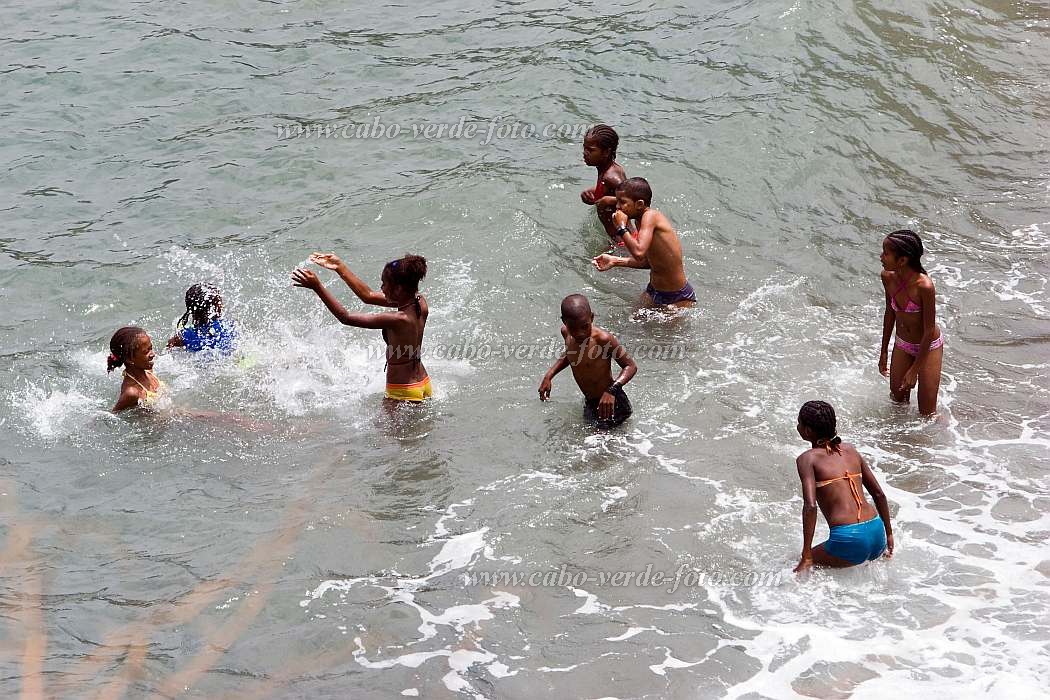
(910, 308)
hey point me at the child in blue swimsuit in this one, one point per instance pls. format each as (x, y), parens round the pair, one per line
(831, 472)
(210, 331)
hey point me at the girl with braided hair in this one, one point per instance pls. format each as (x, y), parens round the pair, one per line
(209, 330)
(132, 348)
(831, 471)
(918, 348)
(599, 150)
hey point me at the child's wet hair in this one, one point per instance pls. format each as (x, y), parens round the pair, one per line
(606, 137)
(907, 243)
(575, 307)
(121, 345)
(636, 188)
(203, 303)
(819, 417)
(407, 271)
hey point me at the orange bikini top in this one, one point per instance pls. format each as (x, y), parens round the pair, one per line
(852, 488)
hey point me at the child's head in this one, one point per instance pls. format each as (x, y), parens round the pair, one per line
(816, 423)
(599, 145)
(132, 347)
(902, 246)
(633, 196)
(577, 316)
(401, 277)
(203, 303)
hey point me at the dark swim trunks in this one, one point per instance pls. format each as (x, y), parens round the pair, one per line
(621, 411)
(686, 293)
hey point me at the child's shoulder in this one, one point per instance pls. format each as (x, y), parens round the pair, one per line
(131, 392)
(806, 458)
(616, 172)
(603, 336)
(656, 216)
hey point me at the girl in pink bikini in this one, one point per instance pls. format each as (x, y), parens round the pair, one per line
(910, 311)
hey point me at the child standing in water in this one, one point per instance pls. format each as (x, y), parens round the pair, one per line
(589, 350)
(406, 378)
(831, 472)
(132, 347)
(599, 150)
(209, 330)
(652, 243)
(918, 350)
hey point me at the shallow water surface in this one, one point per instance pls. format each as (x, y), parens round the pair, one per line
(329, 548)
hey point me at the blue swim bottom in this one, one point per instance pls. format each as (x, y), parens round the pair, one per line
(857, 543)
(660, 298)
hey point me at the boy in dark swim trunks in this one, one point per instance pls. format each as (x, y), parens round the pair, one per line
(652, 243)
(599, 150)
(589, 350)
(832, 472)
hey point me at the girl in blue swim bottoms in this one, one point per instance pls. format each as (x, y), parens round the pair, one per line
(832, 472)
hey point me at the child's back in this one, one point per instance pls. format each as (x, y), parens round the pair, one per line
(839, 478)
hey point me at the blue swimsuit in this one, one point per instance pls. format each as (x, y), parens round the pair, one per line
(660, 298)
(861, 541)
(219, 335)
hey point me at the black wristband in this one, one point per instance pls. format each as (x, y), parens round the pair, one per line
(620, 231)
(615, 385)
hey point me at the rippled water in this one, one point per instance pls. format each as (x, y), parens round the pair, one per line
(326, 548)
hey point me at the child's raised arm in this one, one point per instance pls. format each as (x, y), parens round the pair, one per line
(638, 242)
(331, 261)
(308, 280)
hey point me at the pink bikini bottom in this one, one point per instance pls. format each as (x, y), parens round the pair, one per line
(913, 348)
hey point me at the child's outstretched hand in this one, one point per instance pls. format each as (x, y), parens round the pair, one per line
(545, 389)
(587, 196)
(605, 262)
(306, 279)
(329, 261)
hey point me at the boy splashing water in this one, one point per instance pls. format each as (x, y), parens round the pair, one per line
(589, 350)
(652, 243)
(831, 472)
